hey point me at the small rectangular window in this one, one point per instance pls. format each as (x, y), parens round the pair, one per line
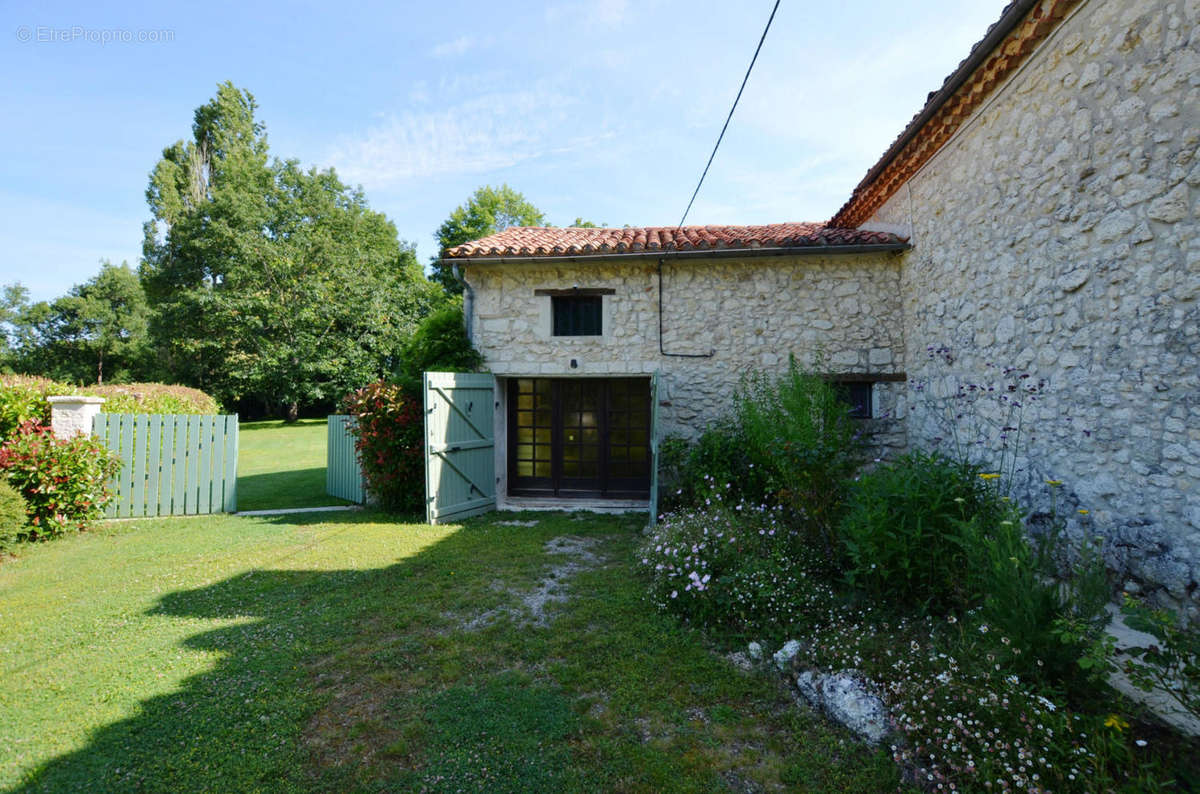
(858, 396)
(577, 315)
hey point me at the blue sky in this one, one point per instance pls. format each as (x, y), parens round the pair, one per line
(604, 109)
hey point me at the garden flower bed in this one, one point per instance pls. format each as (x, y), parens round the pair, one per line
(912, 602)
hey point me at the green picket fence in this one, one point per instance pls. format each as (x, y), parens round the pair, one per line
(343, 473)
(171, 464)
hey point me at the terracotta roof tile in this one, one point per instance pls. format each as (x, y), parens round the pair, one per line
(531, 241)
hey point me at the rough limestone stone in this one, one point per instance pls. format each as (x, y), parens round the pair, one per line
(1064, 203)
(846, 698)
(784, 655)
(753, 314)
(755, 651)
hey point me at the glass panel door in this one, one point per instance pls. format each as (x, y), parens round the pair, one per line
(628, 447)
(582, 403)
(579, 437)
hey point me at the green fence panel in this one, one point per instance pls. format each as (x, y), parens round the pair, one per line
(170, 464)
(127, 471)
(231, 455)
(343, 472)
(178, 465)
(204, 479)
(153, 463)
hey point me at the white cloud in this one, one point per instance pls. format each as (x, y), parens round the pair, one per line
(486, 133)
(451, 48)
(604, 13)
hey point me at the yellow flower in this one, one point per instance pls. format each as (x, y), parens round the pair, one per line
(1083, 511)
(1054, 483)
(989, 476)
(1116, 723)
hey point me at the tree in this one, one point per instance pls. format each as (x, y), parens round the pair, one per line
(580, 223)
(98, 328)
(269, 281)
(14, 300)
(439, 344)
(489, 210)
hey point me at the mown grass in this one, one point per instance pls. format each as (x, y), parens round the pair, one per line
(282, 465)
(230, 653)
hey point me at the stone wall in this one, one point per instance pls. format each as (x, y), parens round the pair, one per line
(752, 313)
(1057, 233)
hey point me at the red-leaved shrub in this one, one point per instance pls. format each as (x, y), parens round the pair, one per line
(390, 438)
(64, 482)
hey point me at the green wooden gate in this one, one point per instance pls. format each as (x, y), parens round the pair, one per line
(460, 466)
(343, 472)
(171, 465)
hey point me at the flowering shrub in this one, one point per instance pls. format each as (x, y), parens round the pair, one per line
(23, 399)
(64, 482)
(738, 567)
(390, 440)
(964, 720)
(715, 464)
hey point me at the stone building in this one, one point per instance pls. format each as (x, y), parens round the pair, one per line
(1039, 214)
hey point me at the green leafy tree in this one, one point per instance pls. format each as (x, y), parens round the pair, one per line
(14, 300)
(268, 281)
(440, 344)
(489, 210)
(97, 329)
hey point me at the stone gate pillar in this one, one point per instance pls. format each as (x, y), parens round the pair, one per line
(72, 416)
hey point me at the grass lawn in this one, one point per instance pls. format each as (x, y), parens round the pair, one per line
(282, 465)
(358, 653)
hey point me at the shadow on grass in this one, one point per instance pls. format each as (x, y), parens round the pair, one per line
(285, 489)
(306, 681)
(387, 679)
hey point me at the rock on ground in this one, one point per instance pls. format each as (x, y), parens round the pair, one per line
(846, 698)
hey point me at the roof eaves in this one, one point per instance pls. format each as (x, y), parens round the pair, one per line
(711, 253)
(864, 201)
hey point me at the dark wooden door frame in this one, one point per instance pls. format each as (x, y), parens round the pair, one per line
(605, 485)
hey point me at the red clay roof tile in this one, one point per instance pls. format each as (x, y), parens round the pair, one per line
(531, 241)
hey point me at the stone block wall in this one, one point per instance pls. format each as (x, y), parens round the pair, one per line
(752, 313)
(1057, 233)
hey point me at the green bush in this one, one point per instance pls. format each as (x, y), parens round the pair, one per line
(933, 534)
(23, 399)
(439, 344)
(64, 482)
(716, 463)
(799, 434)
(390, 438)
(910, 528)
(13, 516)
(153, 398)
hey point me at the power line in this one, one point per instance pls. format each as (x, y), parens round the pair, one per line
(730, 116)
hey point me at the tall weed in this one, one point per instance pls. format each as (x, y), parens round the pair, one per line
(799, 433)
